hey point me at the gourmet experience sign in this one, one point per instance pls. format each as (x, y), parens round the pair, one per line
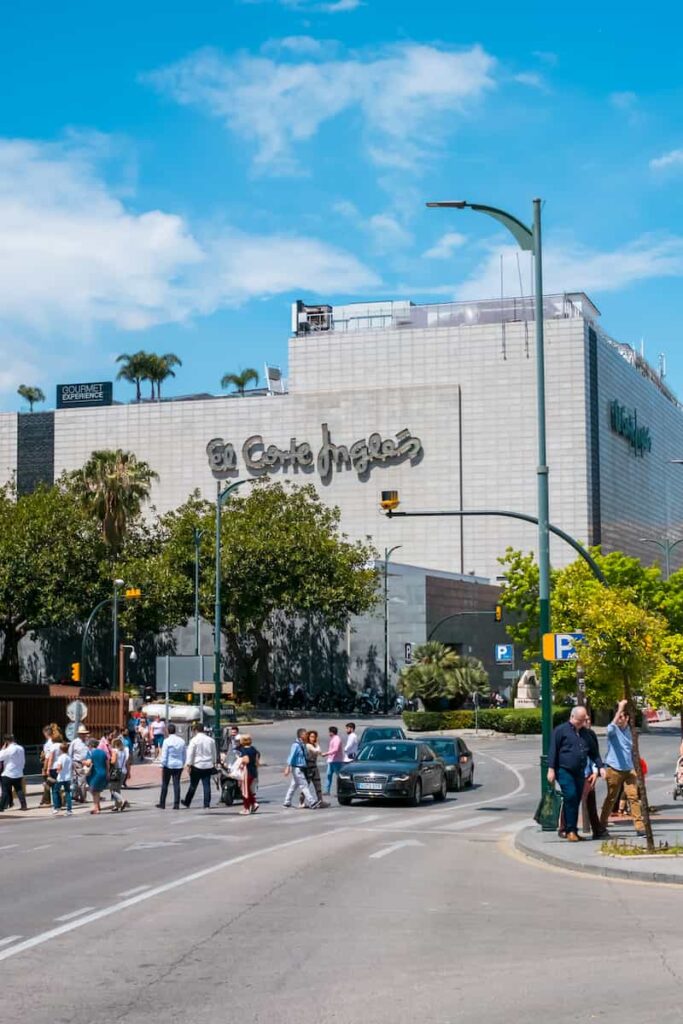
(259, 456)
(84, 396)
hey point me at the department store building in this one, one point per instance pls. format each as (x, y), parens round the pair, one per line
(434, 401)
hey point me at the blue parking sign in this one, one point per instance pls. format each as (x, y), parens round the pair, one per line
(504, 654)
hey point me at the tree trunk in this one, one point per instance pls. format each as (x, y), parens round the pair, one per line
(642, 788)
(9, 662)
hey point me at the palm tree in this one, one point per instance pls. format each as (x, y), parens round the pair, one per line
(32, 395)
(133, 370)
(113, 485)
(240, 380)
(159, 368)
(437, 672)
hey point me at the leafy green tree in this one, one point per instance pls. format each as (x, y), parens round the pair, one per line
(31, 394)
(52, 560)
(666, 685)
(113, 486)
(519, 595)
(621, 656)
(240, 380)
(134, 370)
(439, 672)
(282, 554)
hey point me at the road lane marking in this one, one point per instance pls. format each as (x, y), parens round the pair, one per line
(74, 913)
(514, 826)
(10, 938)
(393, 847)
(133, 892)
(468, 823)
(11, 846)
(159, 890)
(45, 846)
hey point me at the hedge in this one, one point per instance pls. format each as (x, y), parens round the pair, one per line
(520, 721)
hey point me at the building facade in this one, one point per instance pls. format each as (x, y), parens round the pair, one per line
(435, 401)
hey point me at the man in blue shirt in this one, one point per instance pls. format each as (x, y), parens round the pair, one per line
(619, 769)
(173, 754)
(296, 768)
(567, 759)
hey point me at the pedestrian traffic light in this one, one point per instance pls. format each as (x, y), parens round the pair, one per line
(498, 613)
(150, 693)
(76, 671)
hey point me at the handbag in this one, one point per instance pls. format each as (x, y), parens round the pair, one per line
(549, 809)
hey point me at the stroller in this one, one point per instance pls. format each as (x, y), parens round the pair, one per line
(678, 779)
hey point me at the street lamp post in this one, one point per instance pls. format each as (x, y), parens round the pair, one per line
(115, 631)
(221, 499)
(197, 535)
(529, 239)
(122, 679)
(387, 555)
(666, 546)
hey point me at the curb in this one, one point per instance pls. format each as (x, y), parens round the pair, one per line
(601, 870)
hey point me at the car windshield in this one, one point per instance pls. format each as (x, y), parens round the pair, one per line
(444, 748)
(388, 752)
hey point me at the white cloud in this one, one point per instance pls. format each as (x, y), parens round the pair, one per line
(74, 258)
(301, 45)
(575, 267)
(402, 94)
(445, 247)
(670, 161)
(530, 78)
(317, 6)
(626, 100)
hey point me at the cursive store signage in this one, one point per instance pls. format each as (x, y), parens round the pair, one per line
(258, 456)
(624, 422)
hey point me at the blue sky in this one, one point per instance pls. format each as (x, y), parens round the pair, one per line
(173, 175)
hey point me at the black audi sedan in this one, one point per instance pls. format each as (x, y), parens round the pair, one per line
(457, 757)
(393, 770)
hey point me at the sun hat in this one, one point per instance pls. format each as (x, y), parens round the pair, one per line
(82, 730)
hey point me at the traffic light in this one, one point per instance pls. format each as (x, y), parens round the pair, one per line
(75, 671)
(498, 614)
(132, 593)
(389, 500)
(150, 693)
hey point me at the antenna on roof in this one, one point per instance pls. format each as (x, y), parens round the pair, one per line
(662, 365)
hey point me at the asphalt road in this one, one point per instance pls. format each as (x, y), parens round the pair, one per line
(370, 913)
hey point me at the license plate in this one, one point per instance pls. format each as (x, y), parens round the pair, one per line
(370, 785)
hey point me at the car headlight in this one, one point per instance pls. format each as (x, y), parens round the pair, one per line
(400, 778)
(345, 775)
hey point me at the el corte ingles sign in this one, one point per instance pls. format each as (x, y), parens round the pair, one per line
(261, 457)
(624, 421)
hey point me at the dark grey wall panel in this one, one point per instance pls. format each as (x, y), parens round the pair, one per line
(594, 497)
(35, 450)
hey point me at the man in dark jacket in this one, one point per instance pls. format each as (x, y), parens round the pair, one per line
(567, 760)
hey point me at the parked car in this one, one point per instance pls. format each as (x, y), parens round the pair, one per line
(380, 732)
(457, 757)
(393, 770)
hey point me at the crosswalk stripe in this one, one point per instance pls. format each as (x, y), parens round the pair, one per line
(513, 826)
(468, 823)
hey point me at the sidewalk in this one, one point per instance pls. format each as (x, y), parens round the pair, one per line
(144, 776)
(586, 857)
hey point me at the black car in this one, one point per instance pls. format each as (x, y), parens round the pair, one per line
(381, 732)
(457, 757)
(393, 770)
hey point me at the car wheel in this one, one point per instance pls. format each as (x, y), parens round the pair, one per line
(442, 791)
(344, 801)
(416, 798)
(457, 782)
(675, 794)
(470, 781)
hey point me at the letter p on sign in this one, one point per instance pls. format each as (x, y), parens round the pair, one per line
(561, 646)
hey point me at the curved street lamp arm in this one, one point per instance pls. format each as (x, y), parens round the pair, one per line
(86, 631)
(523, 235)
(594, 567)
